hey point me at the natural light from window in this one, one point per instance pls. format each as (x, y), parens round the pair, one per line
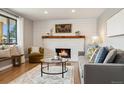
(8, 30)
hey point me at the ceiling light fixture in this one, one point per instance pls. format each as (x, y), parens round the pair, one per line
(45, 12)
(73, 11)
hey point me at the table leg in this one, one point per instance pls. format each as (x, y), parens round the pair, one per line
(47, 66)
(41, 69)
(65, 66)
(62, 70)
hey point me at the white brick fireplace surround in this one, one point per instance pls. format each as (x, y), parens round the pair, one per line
(75, 44)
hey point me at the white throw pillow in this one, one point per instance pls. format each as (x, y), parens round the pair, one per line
(1, 47)
(35, 49)
(20, 49)
(5, 53)
(110, 56)
(14, 50)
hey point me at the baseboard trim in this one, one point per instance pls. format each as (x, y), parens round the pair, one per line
(5, 67)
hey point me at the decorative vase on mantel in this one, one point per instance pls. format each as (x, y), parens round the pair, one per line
(51, 31)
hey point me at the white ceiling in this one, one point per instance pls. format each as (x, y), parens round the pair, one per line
(58, 13)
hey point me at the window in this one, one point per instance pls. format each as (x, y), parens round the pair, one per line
(12, 31)
(8, 30)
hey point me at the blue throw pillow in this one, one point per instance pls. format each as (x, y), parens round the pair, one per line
(101, 55)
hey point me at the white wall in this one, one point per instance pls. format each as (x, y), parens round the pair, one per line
(87, 27)
(28, 34)
(117, 41)
(115, 24)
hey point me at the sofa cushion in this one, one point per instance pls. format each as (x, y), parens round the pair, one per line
(119, 57)
(5, 53)
(100, 57)
(35, 50)
(14, 50)
(35, 55)
(110, 56)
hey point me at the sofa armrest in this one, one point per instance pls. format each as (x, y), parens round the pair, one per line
(103, 73)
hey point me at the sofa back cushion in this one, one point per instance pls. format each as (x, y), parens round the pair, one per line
(5, 53)
(110, 56)
(119, 57)
(35, 50)
(100, 57)
(14, 50)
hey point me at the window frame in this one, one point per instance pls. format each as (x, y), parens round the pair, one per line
(8, 20)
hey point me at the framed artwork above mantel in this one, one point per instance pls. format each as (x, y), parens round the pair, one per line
(63, 28)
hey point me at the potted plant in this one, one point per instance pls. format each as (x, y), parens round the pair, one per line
(77, 33)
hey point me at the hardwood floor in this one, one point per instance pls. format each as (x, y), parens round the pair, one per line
(76, 73)
(10, 74)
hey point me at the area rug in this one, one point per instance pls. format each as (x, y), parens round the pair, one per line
(34, 76)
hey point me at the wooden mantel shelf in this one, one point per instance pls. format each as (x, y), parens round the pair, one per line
(53, 37)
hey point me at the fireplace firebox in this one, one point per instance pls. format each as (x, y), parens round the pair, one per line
(63, 52)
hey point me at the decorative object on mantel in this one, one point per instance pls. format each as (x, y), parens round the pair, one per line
(51, 31)
(48, 34)
(63, 28)
(68, 37)
(77, 33)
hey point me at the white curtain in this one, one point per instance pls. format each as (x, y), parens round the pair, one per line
(20, 36)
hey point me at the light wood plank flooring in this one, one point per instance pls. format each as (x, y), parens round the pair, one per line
(10, 74)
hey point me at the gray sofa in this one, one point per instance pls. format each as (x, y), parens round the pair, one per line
(100, 73)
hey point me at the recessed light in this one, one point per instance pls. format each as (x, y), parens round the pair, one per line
(73, 11)
(45, 12)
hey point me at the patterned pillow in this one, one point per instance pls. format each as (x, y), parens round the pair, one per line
(92, 59)
(101, 55)
(89, 53)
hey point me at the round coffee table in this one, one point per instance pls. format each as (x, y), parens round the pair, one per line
(49, 61)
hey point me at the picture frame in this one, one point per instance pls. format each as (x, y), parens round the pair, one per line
(63, 28)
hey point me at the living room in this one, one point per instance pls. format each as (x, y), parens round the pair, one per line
(67, 36)
(61, 46)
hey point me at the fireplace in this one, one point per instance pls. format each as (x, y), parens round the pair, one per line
(63, 52)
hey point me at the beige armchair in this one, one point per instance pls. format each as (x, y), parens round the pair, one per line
(35, 54)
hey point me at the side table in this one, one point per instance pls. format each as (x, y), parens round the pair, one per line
(16, 59)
